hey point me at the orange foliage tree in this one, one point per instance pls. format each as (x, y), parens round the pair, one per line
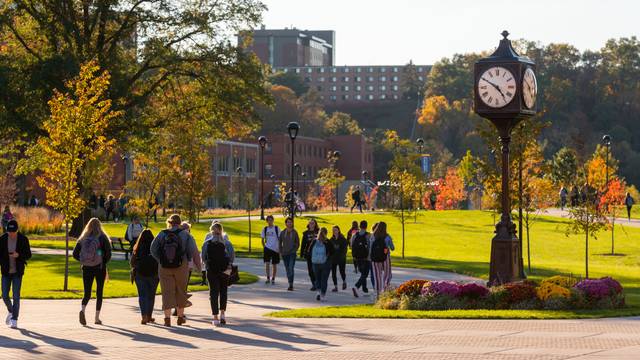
(451, 191)
(611, 202)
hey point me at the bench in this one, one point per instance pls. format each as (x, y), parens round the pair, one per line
(121, 245)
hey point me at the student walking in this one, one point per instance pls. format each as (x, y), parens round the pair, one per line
(145, 273)
(321, 253)
(173, 248)
(289, 244)
(339, 258)
(14, 254)
(360, 249)
(271, 256)
(110, 207)
(218, 256)
(354, 229)
(563, 197)
(357, 201)
(6, 217)
(133, 231)
(93, 251)
(381, 247)
(628, 201)
(308, 237)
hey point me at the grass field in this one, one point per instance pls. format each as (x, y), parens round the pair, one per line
(459, 241)
(44, 278)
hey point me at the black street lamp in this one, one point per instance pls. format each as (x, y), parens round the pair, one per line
(263, 142)
(336, 156)
(365, 174)
(273, 190)
(239, 172)
(298, 170)
(606, 141)
(304, 186)
(293, 128)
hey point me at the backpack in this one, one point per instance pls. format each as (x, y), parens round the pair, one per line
(171, 251)
(90, 253)
(146, 265)
(360, 247)
(379, 250)
(319, 253)
(264, 231)
(217, 259)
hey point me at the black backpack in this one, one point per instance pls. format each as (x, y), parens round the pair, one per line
(379, 250)
(360, 247)
(171, 251)
(217, 259)
(146, 265)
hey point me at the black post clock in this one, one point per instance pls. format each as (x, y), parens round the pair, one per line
(505, 92)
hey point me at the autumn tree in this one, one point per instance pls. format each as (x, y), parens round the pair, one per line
(72, 153)
(539, 195)
(612, 202)
(341, 124)
(291, 81)
(450, 191)
(597, 168)
(411, 86)
(329, 179)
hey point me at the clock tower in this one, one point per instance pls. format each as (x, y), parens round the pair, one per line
(505, 91)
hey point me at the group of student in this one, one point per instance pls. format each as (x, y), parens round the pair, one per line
(326, 255)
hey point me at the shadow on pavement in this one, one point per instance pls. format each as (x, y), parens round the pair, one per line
(145, 337)
(62, 343)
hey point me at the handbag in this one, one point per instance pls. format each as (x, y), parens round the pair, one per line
(234, 276)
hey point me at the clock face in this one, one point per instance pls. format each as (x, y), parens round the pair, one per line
(497, 87)
(529, 88)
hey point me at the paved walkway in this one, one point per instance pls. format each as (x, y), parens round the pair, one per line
(619, 220)
(50, 330)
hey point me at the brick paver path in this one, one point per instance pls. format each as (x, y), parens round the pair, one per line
(50, 330)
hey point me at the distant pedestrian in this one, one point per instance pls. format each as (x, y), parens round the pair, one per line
(381, 247)
(360, 249)
(122, 206)
(629, 201)
(356, 197)
(14, 254)
(308, 237)
(574, 196)
(218, 255)
(173, 248)
(6, 217)
(354, 229)
(133, 231)
(339, 258)
(33, 202)
(93, 251)
(110, 207)
(289, 242)
(145, 273)
(270, 242)
(433, 199)
(321, 252)
(101, 201)
(563, 197)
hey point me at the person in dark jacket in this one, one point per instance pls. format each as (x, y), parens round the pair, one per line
(218, 270)
(145, 273)
(320, 252)
(339, 258)
(14, 254)
(93, 251)
(308, 237)
(629, 201)
(354, 229)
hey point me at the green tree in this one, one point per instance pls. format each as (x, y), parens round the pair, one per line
(410, 85)
(72, 152)
(330, 177)
(564, 167)
(341, 124)
(290, 80)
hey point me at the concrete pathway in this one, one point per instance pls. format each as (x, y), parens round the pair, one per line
(565, 214)
(49, 329)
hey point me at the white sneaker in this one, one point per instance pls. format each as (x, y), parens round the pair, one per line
(216, 322)
(14, 324)
(322, 298)
(8, 319)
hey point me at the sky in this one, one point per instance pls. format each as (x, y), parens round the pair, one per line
(385, 32)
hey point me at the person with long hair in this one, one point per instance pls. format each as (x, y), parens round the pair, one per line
(354, 229)
(381, 247)
(14, 254)
(145, 273)
(93, 251)
(289, 243)
(339, 258)
(308, 237)
(321, 251)
(218, 255)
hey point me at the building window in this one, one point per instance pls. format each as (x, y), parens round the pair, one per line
(345, 69)
(370, 70)
(345, 97)
(345, 79)
(369, 78)
(370, 97)
(358, 88)
(334, 88)
(251, 166)
(237, 162)
(395, 69)
(223, 164)
(357, 79)
(309, 70)
(383, 96)
(358, 97)
(297, 71)
(370, 88)
(334, 79)
(268, 170)
(333, 69)
(320, 70)
(359, 69)
(345, 87)
(383, 78)
(395, 87)
(383, 88)
(421, 78)
(285, 70)
(394, 79)
(420, 69)
(321, 79)
(395, 96)
(321, 97)
(333, 98)
(383, 69)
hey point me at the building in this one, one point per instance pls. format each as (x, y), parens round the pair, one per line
(352, 84)
(293, 47)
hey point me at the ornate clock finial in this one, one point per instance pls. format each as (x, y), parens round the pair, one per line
(505, 33)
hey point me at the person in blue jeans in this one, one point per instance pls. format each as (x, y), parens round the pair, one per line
(145, 273)
(321, 252)
(289, 244)
(14, 254)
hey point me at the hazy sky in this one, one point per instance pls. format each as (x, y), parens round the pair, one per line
(381, 32)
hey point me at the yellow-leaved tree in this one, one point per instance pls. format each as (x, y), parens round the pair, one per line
(74, 147)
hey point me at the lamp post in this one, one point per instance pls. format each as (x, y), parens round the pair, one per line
(420, 143)
(239, 172)
(606, 141)
(273, 190)
(297, 169)
(263, 142)
(336, 156)
(293, 128)
(304, 186)
(365, 173)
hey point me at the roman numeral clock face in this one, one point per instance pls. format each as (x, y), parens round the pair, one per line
(496, 87)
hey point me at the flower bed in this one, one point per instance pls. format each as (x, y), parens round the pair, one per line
(555, 293)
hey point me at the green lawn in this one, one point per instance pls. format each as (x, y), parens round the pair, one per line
(44, 278)
(369, 312)
(459, 241)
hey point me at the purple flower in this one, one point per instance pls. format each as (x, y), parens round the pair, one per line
(473, 290)
(599, 288)
(442, 288)
(612, 284)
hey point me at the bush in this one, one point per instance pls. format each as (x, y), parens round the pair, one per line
(473, 291)
(520, 291)
(550, 289)
(441, 288)
(388, 300)
(37, 220)
(559, 280)
(597, 289)
(411, 288)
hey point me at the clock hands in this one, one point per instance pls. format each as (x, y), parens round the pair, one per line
(497, 88)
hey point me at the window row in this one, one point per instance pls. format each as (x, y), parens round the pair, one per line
(334, 88)
(356, 79)
(307, 150)
(346, 69)
(347, 97)
(222, 164)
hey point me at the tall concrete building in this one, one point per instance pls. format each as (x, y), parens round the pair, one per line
(294, 47)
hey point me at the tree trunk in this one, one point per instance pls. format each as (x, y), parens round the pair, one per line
(80, 222)
(586, 252)
(613, 228)
(249, 216)
(528, 246)
(66, 257)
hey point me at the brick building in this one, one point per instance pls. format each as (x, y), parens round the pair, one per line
(293, 47)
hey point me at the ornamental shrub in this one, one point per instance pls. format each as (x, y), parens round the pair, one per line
(520, 291)
(557, 303)
(596, 289)
(563, 281)
(550, 289)
(388, 300)
(447, 288)
(411, 288)
(473, 291)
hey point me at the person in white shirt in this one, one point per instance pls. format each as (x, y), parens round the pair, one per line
(271, 246)
(133, 231)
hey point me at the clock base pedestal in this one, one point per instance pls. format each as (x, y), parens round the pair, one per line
(505, 255)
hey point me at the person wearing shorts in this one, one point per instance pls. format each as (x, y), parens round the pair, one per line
(271, 256)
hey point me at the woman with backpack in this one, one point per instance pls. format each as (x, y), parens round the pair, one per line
(321, 251)
(381, 247)
(339, 258)
(144, 269)
(93, 251)
(218, 256)
(308, 237)
(354, 229)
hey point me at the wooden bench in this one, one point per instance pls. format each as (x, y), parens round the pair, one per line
(121, 245)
